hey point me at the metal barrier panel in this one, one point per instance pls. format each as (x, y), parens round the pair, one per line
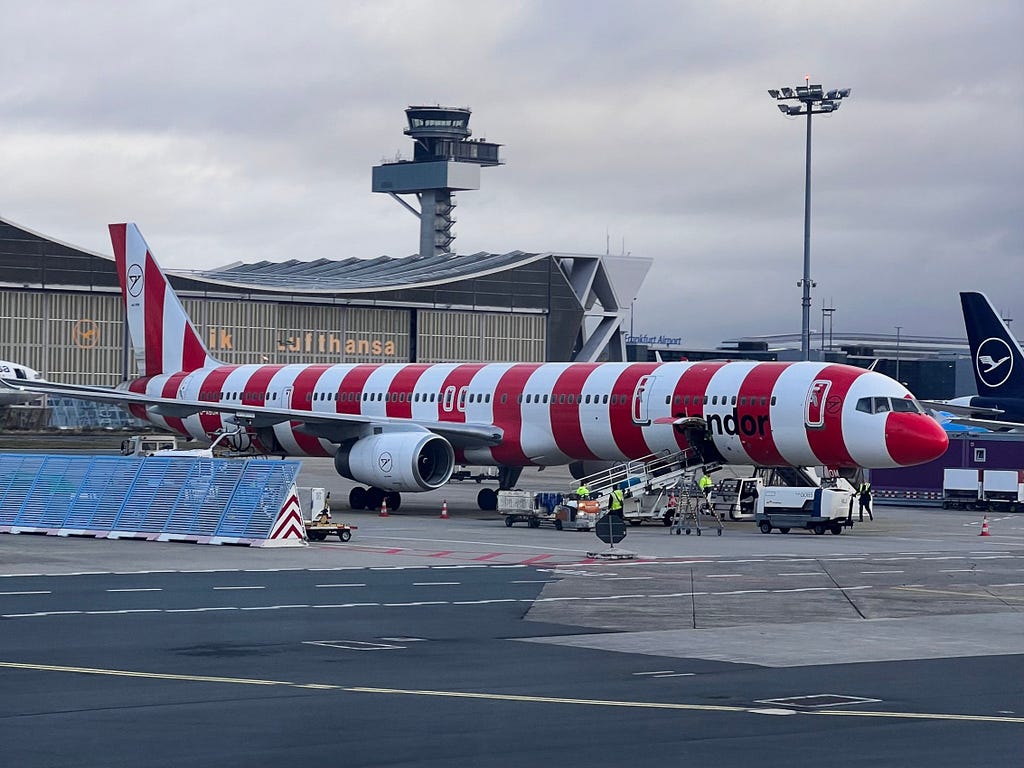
(181, 496)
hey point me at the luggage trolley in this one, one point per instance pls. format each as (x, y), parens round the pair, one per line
(690, 505)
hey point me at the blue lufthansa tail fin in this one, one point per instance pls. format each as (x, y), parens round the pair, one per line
(998, 359)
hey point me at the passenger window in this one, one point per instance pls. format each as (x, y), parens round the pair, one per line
(504, 398)
(773, 399)
(545, 398)
(605, 400)
(714, 399)
(733, 401)
(668, 399)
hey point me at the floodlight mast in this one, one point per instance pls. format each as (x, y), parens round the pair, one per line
(811, 100)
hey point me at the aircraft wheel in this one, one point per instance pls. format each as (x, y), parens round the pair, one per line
(344, 535)
(357, 498)
(765, 526)
(687, 531)
(394, 500)
(666, 520)
(374, 497)
(719, 531)
(558, 525)
(698, 531)
(487, 499)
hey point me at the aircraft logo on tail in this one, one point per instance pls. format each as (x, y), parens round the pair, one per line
(990, 358)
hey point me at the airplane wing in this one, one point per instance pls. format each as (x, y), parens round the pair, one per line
(990, 424)
(335, 427)
(960, 410)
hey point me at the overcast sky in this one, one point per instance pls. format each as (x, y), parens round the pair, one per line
(247, 130)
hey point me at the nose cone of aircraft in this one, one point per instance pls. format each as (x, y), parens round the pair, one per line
(914, 438)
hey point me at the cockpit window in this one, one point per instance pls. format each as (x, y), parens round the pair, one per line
(905, 405)
(864, 405)
(881, 404)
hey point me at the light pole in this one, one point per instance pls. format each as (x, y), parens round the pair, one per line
(898, 329)
(811, 100)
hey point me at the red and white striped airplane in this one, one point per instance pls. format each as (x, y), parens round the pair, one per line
(403, 427)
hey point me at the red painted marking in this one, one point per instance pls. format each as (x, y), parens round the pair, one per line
(692, 384)
(400, 390)
(628, 435)
(758, 386)
(489, 556)
(118, 238)
(154, 291)
(170, 390)
(827, 441)
(304, 385)
(259, 381)
(565, 417)
(209, 391)
(442, 553)
(508, 415)
(536, 559)
(459, 378)
(193, 352)
(352, 384)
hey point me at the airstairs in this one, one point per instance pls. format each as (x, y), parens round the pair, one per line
(203, 500)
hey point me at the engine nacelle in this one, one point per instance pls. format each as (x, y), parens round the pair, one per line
(397, 461)
(581, 469)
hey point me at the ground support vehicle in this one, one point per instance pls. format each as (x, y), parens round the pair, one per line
(476, 474)
(577, 514)
(316, 531)
(523, 507)
(961, 488)
(1002, 489)
(815, 509)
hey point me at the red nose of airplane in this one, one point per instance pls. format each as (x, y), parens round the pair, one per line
(914, 438)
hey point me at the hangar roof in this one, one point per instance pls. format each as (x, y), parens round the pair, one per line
(354, 275)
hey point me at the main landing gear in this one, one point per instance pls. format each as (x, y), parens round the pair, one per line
(373, 498)
(487, 498)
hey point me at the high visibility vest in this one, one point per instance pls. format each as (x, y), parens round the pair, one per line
(705, 483)
(582, 491)
(615, 502)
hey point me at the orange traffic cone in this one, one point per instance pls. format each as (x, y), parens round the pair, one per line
(984, 527)
(384, 507)
(444, 509)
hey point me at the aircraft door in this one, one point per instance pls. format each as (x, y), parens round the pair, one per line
(641, 399)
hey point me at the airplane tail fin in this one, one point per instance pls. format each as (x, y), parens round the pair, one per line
(998, 359)
(163, 337)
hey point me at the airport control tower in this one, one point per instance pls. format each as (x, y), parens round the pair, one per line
(445, 160)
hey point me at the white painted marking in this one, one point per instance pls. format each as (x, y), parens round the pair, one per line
(677, 674)
(946, 557)
(866, 572)
(342, 605)
(486, 602)
(239, 587)
(656, 672)
(39, 592)
(535, 581)
(754, 591)
(1011, 584)
(436, 583)
(201, 610)
(771, 711)
(40, 613)
(126, 610)
(629, 578)
(328, 586)
(404, 639)
(274, 607)
(805, 573)
(724, 575)
(959, 570)
(137, 589)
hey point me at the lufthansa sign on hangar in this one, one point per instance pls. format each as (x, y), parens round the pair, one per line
(61, 311)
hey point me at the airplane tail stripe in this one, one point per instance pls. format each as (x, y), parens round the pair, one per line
(155, 291)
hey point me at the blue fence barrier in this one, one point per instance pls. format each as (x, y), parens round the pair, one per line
(166, 498)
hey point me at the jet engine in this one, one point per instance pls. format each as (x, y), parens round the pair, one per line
(397, 461)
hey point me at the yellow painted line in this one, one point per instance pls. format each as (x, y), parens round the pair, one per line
(958, 594)
(503, 696)
(159, 675)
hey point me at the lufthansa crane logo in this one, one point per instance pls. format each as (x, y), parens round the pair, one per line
(86, 334)
(994, 362)
(384, 461)
(134, 280)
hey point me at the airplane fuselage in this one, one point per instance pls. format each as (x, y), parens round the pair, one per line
(768, 414)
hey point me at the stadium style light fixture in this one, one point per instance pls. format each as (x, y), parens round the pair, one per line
(810, 100)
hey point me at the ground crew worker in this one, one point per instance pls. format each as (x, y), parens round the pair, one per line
(864, 494)
(705, 485)
(582, 492)
(615, 501)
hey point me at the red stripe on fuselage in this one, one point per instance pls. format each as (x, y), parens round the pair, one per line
(508, 414)
(302, 400)
(827, 442)
(628, 435)
(459, 377)
(352, 386)
(139, 387)
(210, 390)
(155, 289)
(565, 416)
(754, 402)
(399, 397)
(692, 384)
(170, 389)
